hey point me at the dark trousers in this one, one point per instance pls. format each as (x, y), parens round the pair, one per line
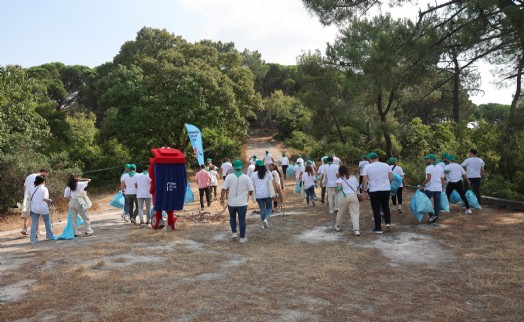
(133, 205)
(475, 186)
(323, 194)
(241, 211)
(213, 191)
(436, 200)
(398, 197)
(284, 170)
(208, 198)
(360, 180)
(310, 194)
(380, 200)
(460, 189)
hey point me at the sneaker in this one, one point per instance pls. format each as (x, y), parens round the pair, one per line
(468, 212)
(388, 227)
(357, 233)
(24, 231)
(125, 217)
(399, 210)
(433, 219)
(140, 225)
(133, 221)
(336, 209)
(331, 212)
(376, 231)
(34, 242)
(234, 235)
(394, 208)
(242, 240)
(313, 203)
(76, 235)
(266, 224)
(89, 233)
(337, 228)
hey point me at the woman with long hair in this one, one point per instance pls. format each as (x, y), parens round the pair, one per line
(309, 180)
(261, 179)
(39, 198)
(279, 186)
(347, 183)
(78, 203)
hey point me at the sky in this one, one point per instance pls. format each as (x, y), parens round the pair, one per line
(91, 32)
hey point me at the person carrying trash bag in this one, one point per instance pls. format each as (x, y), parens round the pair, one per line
(398, 172)
(433, 185)
(454, 174)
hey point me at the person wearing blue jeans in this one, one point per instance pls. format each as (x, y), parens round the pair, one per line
(40, 207)
(237, 187)
(261, 179)
(433, 185)
(266, 208)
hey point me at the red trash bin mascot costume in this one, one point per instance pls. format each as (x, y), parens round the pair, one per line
(168, 185)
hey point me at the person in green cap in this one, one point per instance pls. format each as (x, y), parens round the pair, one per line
(237, 188)
(268, 160)
(253, 160)
(361, 165)
(396, 169)
(433, 185)
(377, 184)
(299, 159)
(284, 163)
(454, 174)
(125, 213)
(443, 160)
(261, 179)
(128, 185)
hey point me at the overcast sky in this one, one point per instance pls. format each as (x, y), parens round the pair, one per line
(90, 32)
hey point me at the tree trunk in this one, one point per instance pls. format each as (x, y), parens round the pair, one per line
(456, 87)
(382, 114)
(339, 131)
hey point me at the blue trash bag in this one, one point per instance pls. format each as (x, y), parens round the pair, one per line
(455, 197)
(190, 196)
(444, 202)
(164, 213)
(395, 184)
(298, 187)
(118, 201)
(68, 232)
(472, 199)
(290, 170)
(421, 205)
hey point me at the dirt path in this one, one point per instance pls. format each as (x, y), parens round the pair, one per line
(469, 268)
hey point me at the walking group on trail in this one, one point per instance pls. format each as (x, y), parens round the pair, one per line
(342, 188)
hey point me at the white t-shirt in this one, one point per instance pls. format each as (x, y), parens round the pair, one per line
(29, 182)
(348, 184)
(250, 170)
(298, 171)
(268, 159)
(214, 177)
(362, 165)
(301, 161)
(130, 184)
(276, 177)
(473, 166)
(308, 179)
(336, 161)
(260, 185)
(284, 161)
(400, 172)
(143, 181)
(38, 205)
(437, 173)
(378, 176)
(225, 167)
(80, 186)
(238, 189)
(252, 162)
(442, 165)
(454, 172)
(331, 171)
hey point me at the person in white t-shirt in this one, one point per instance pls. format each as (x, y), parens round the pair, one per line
(321, 178)
(299, 169)
(378, 177)
(443, 161)
(214, 181)
(309, 181)
(329, 176)
(250, 169)
(260, 179)
(75, 192)
(225, 168)
(348, 185)
(284, 163)
(26, 206)
(237, 188)
(39, 205)
(128, 186)
(475, 171)
(279, 185)
(253, 160)
(454, 173)
(433, 184)
(299, 159)
(143, 194)
(361, 165)
(336, 160)
(396, 169)
(268, 160)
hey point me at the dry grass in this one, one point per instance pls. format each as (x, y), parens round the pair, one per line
(199, 274)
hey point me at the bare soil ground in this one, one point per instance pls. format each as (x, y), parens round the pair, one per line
(471, 268)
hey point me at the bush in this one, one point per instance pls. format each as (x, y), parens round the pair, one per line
(302, 142)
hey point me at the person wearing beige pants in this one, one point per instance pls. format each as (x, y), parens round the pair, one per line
(74, 191)
(76, 209)
(348, 202)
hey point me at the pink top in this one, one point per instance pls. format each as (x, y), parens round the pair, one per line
(203, 179)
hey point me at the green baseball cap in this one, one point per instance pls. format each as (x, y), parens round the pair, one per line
(392, 160)
(132, 167)
(445, 155)
(128, 166)
(372, 155)
(259, 163)
(308, 162)
(431, 156)
(450, 157)
(237, 165)
(254, 157)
